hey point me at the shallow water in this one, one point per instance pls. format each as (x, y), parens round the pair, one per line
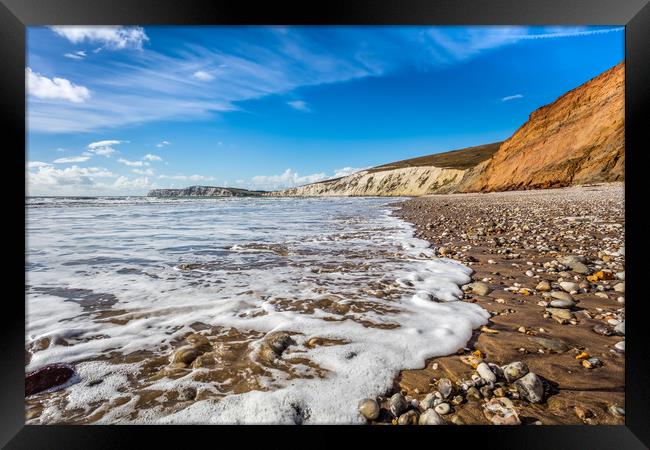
(115, 285)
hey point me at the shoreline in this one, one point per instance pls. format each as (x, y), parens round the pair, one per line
(510, 239)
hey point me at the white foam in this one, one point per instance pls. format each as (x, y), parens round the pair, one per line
(64, 245)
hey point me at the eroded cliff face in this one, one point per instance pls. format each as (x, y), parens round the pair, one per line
(577, 139)
(409, 181)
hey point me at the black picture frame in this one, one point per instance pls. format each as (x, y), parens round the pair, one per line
(15, 15)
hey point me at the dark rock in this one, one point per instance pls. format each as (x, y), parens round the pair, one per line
(48, 377)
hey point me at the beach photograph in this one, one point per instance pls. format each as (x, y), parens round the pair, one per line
(295, 225)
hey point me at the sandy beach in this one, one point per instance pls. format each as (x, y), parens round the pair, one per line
(528, 249)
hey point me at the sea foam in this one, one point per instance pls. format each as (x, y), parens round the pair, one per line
(125, 257)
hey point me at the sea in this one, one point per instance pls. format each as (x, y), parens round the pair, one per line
(116, 285)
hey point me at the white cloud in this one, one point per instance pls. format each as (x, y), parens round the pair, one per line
(203, 75)
(151, 157)
(104, 148)
(37, 164)
(299, 105)
(71, 159)
(162, 144)
(110, 37)
(511, 97)
(344, 172)
(148, 172)
(81, 54)
(287, 179)
(45, 88)
(186, 177)
(61, 149)
(125, 183)
(130, 163)
(46, 177)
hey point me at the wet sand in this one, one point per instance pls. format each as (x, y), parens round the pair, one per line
(510, 240)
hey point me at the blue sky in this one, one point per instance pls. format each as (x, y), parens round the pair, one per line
(121, 110)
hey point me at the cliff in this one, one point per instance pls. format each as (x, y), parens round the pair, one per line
(577, 139)
(429, 174)
(204, 191)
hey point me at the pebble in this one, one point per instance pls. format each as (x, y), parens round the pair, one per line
(369, 408)
(620, 346)
(579, 267)
(501, 411)
(543, 286)
(620, 287)
(185, 355)
(474, 393)
(499, 392)
(445, 387)
(456, 420)
(480, 288)
(583, 413)
(408, 418)
(530, 273)
(561, 313)
(616, 411)
(398, 404)
(530, 387)
(428, 401)
(443, 408)
(562, 296)
(565, 304)
(515, 370)
(591, 363)
(553, 344)
(430, 417)
(486, 373)
(496, 370)
(569, 286)
(602, 329)
(620, 329)
(457, 400)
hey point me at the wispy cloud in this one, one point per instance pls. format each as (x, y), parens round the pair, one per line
(111, 37)
(37, 164)
(299, 105)
(162, 144)
(511, 97)
(273, 60)
(42, 87)
(81, 54)
(203, 75)
(151, 157)
(71, 159)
